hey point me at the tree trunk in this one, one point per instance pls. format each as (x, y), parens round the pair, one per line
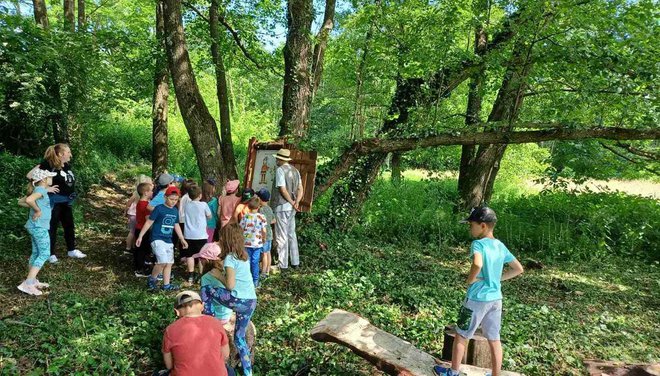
(159, 151)
(351, 164)
(297, 95)
(69, 15)
(223, 96)
(395, 164)
(322, 43)
(473, 111)
(199, 122)
(478, 178)
(40, 14)
(357, 122)
(81, 15)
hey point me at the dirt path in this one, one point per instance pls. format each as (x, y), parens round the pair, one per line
(100, 235)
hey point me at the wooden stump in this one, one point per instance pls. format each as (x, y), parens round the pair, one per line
(387, 352)
(250, 337)
(477, 352)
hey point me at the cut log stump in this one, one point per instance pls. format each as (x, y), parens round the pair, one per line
(387, 352)
(603, 368)
(250, 337)
(478, 351)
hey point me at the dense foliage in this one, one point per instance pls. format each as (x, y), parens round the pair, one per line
(593, 63)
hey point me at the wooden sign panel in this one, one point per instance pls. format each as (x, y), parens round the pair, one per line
(260, 168)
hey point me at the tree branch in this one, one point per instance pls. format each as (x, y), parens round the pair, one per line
(625, 157)
(322, 43)
(195, 10)
(639, 152)
(380, 145)
(234, 35)
(560, 132)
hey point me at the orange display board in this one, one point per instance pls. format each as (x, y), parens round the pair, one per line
(260, 168)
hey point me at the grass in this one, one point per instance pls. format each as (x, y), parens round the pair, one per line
(403, 269)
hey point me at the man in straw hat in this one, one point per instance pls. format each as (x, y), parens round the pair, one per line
(286, 200)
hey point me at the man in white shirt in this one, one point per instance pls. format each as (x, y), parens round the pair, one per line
(287, 195)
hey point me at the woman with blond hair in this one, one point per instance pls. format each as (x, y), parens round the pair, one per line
(56, 160)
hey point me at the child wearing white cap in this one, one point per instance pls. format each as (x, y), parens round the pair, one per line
(37, 225)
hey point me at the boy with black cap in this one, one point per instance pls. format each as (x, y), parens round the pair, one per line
(483, 304)
(195, 344)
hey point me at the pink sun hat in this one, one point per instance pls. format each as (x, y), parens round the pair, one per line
(209, 251)
(231, 186)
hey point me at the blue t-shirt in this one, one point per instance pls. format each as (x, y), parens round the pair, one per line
(244, 288)
(158, 199)
(213, 206)
(44, 205)
(494, 254)
(164, 219)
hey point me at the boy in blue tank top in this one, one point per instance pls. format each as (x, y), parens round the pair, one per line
(483, 304)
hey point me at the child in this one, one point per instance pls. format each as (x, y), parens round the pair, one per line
(37, 225)
(254, 233)
(131, 213)
(228, 202)
(195, 344)
(264, 196)
(209, 260)
(483, 304)
(145, 190)
(165, 221)
(242, 207)
(196, 213)
(237, 289)
(208, 196)
(185, 199)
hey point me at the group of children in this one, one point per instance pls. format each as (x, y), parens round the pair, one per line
(164, 215)
(231, 257)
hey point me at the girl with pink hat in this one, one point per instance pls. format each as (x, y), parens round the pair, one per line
(228, 202)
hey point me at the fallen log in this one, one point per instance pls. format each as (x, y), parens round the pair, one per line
(604, 368)
(387, 352)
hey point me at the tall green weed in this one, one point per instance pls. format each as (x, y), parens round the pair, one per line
(557, 225)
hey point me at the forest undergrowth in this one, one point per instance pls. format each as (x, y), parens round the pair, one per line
(594, 290)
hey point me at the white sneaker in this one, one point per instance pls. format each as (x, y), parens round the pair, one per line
(76, 254)
(29, 289)
(53, 259)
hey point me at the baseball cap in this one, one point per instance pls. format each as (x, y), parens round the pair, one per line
(39, 175)
(165, 179)
(185, 297)
(263, 194)
(172, 190)
(482, 214)
(210, 251)
(248, 193)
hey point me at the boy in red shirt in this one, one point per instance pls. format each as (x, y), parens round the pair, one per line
(195, 344)
(141, 213)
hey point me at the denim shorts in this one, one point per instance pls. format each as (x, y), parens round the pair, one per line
(473, 314)
(267, 245)
(164, 252)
